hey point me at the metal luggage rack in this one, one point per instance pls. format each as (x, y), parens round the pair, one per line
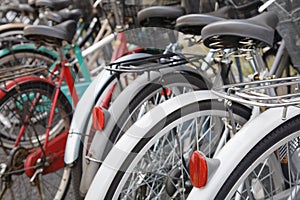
(262, 93)
(11, 73)
(153, 62)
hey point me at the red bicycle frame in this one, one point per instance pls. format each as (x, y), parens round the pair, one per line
(53, 150)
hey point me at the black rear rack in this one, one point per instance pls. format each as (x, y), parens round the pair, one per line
(151, 63)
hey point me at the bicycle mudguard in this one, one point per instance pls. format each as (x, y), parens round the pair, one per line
(251, 133)
(120, 151)
(85, 106)
(9, 85)
(100, 142)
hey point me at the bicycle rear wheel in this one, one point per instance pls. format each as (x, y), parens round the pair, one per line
(270, 170)
(29, 104)
(157, 165)
(151, 94)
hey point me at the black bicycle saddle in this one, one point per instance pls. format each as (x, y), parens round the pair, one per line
(64, 15)
(234, 33)
(160, 16)
(64, 31)
(194, 23)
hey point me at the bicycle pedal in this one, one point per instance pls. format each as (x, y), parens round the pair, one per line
(36, 173)
(3, 168)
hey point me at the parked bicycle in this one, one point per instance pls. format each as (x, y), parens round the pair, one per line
(191, 120)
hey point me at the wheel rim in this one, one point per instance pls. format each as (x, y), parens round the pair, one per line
(15, 109)
(274, 175)
(169, 153)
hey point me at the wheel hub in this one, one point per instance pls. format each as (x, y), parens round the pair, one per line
(174, 185)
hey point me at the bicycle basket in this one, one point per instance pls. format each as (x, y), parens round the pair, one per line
(130, 8)
(245, 8)
(288, 12)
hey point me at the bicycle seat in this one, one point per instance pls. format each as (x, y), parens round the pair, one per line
(53, 35)
(19, 8)
(73, 14)
(234, 33)
(194, 23)
(64, 15)
(160, 16)
(54, 5)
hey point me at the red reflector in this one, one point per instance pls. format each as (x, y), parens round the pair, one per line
(198, 169)
(166, 92)
(98, 118)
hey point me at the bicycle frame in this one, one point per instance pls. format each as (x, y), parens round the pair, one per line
(82, 115)
(59, 142)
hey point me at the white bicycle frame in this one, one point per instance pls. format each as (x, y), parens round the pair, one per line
(250, 134)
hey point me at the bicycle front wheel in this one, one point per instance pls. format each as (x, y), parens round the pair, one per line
(271, 169)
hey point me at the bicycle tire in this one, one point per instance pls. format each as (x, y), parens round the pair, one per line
(153, 136)
(176, 80)
(287, 137)
(15, 106)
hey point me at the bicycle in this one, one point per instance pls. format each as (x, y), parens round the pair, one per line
(95, 158)
(20, 85)
(271, 150)
(116, 172)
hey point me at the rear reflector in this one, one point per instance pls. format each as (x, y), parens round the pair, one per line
(98, 118)
(198, 169)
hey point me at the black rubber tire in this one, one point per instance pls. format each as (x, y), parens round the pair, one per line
(276, 135)
(238, 110)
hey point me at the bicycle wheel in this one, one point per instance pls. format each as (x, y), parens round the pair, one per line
(157, 165)
(29, 104)
(29, 58)
(270, 170)
(151, 94)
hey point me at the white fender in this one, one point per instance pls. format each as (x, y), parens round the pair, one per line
(84, 107)
(98, 148)
(235, 150)
(123, 147)
(81, 115)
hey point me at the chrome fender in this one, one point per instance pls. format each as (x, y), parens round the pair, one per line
(251, 133)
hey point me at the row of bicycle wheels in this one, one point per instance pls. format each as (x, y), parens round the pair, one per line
(128, 150)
